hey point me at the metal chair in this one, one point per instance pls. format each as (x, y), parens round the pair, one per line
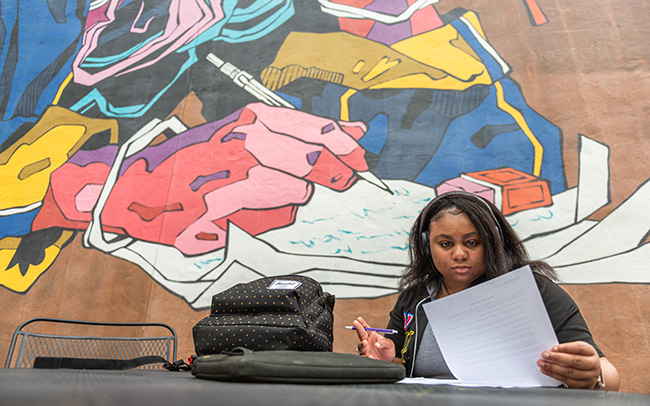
(35, 345)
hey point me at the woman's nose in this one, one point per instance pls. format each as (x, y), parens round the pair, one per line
(459, 251)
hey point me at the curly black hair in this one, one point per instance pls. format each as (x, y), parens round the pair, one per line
(503, 249)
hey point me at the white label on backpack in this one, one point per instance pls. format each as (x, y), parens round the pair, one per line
(284, 284)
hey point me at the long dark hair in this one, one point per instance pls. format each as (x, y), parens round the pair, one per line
(503, 249)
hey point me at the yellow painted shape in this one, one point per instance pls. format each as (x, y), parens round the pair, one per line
(437, 59)
(13, 279)
(345, 110)
(357, 68)
(53, 148)
(335, 57)
(55, 116)
(61, 88)
(521, 121)
(26, 165)
(446, 50)
(385, 64)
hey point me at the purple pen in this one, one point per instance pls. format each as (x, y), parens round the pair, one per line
(378, 330)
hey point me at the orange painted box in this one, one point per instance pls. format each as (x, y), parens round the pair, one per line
(513, 190)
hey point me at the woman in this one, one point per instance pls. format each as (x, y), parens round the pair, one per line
(459, 241)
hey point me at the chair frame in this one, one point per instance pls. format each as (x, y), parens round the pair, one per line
(19, 332)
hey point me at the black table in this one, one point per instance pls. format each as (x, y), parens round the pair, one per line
(137, 387)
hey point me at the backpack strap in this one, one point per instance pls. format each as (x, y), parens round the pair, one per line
(113, 364)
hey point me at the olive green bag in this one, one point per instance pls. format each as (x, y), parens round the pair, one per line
(290, 366)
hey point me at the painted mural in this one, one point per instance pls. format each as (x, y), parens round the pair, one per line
(216, 142)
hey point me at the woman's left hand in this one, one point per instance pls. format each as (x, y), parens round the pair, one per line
(577, 364)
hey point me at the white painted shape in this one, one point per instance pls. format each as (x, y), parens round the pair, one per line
(541, 220)
(593, 177)
(546, 245)
(347, 11)
(631, 267)
(622, 230)
(365, 222)
(255, 254)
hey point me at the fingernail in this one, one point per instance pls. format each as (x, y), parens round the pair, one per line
(545, 354)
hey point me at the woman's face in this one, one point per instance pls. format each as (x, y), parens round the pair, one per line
(457, 250)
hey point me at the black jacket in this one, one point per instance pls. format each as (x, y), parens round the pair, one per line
(409, 319)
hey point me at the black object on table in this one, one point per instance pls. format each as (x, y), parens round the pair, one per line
(151, 387)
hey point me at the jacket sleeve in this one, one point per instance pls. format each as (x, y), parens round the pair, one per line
(396, 322)
(568, 323)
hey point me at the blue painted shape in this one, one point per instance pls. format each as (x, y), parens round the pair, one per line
(36, 52)
(457, 153)
(39, 40)
(291, 99)
(375, 137)
(431, 146)
(18, 224)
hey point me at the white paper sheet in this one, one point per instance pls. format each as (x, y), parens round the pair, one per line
(495, 332)
(452, 382)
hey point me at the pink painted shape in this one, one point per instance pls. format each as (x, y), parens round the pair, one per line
(278, 151)
(313, 129)
(87, 197)
(267, 171)
(95, 16)
(461, 184)
(263, 189)
(424, 20)
(68, 184)
(187, 19)
(142, 30)
(169, 184)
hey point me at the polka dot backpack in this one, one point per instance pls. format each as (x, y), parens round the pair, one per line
(289, 312)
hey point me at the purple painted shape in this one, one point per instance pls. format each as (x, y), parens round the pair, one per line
(327, 128)
(105, 155)
(156, 154)
(234, 136)
(393, 7)
(201, 180)
(390, 34)
(312, 157)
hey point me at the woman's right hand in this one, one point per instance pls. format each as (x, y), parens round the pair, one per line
(373, 345)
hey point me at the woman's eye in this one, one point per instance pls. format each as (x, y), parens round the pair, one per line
(473, 243)
(445, 244)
